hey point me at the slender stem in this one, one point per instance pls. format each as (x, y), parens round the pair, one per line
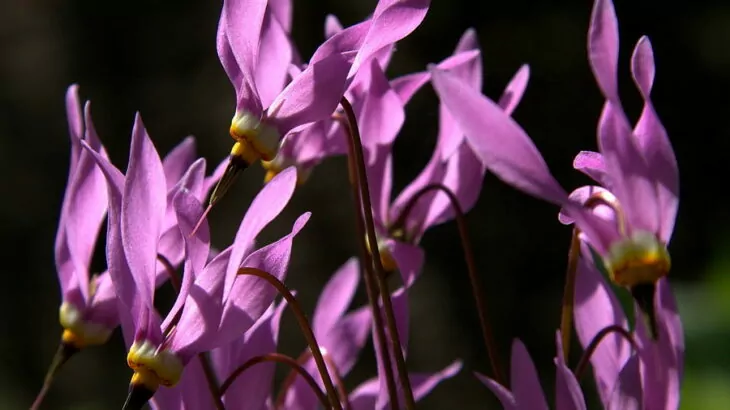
(583, 363)
(566, 316)
(370, 283)
(476, 283)
(304, 325)
(292, 376)
(362, 179)
(64, 352)
(278, 358)
(289, 379)
(203, 357)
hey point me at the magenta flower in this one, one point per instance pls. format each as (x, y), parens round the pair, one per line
(341, 336)
(214, 306)
(526, 393)
(257, 55)
(89, 309)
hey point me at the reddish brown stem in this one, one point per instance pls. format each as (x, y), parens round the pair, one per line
(583, 363)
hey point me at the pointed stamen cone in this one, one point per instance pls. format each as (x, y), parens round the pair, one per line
(236, 164)
(63, 354)
(644, 296)
(141, 389)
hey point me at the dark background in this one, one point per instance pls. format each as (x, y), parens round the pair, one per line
(159, 57)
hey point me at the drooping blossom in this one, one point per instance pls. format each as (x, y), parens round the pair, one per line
(274, 96)
(453, 164)
(213, 305)
(88, 312)
(526, 393)
(340, 335)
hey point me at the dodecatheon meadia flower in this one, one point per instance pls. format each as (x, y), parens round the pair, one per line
(88, 312)
(252, 388)
(341, 336)
(314, 90)
(649, 379)
(525, 392)
(453, 164)
(373, 393)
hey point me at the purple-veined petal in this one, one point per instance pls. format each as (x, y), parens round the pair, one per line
(568, 394)
(311, 96)
(336, 296)
(596, 307)
(267, 205)
(252, 388)
(524, 380)
(382, 114)
(189, 210)
(631, 181)
(87, 206)
(591, 163)
(178, 160)
(250, 295)
(503, 395)
(654, 142)
(504, 148)
(409, 259)
(144, 201)
(515, 89)
(603, 48)
(202, 310)
(275, 55)
(626, 393)
(244, 21)
(392, 21)
(225, 54)
(345, 42)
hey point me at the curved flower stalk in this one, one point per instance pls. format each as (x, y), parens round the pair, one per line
(251, 389)
(526, 392)
(373, 393)
(268, 106)
(341, 336)
(453, 164)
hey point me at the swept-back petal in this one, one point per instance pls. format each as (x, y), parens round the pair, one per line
(515, 89)
(144, 202)
(503, 395)
(178, 160)
(603, 48)
(336, 296)
(568, 394)
(423, 383)
(383, 113)
(250, 295)
(244, 21)
(267, 205)
(409, 259)
(275, 55)
(627, 392)
(524, 379)
(504, 148)
(591, 163)
(654, 142)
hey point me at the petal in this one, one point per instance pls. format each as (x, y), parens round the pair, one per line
(336, 296)
(581, 195)
(178, 160)
(505, 396)
(266, 206)
(275, 55)
(409, 259)
(654, 142)
(250, 295)
(603, 48)
(515, 89)
(332, 26)
(364, 395)
(144, 201)
(382, 114)
(591, 163)
(392, 21)
(505, 149)
(283, 11)
(626, 393)
(568, 394)
(380, 180)
(312, 95)
(189, 211)
(596, 307)
(423, 383)
(524, 379)
(244, 21)
(631, 181)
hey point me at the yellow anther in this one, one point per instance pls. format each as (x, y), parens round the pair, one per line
(79, 333)
(261, 137)
(145, 357)
(278, 164)
(640, 259)
(146, 378)
(386, 258)
(243, 150)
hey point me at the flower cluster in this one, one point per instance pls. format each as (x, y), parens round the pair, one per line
(216, 347)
